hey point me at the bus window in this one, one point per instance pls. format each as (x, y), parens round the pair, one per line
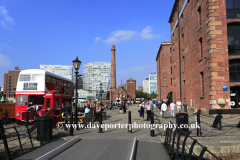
(48, 79)
(22, 100)
(24, 77)
(69, 84)
(59, 81)
(54, 80)
(41, 100)
(32, 100)
(65, 83)
(37, 77)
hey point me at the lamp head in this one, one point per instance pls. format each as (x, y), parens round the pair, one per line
(76, 63)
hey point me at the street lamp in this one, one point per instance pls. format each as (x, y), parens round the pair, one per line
(101, 93)
(111, 96)
(118, 92)
(76, 64)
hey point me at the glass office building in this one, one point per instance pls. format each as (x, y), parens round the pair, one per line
(153, 82)
(95, 73)
(61, 70)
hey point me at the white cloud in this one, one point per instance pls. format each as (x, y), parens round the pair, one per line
(111, 40)
(4, 61)
(97, 39)
(122, 35)
(6, 20)
(146, 33)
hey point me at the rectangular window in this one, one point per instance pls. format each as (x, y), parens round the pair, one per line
(24, 77)
(48, 78)
(36, 77)
(199, 16)
(54, 80)
(202, 79)
(171, 70)
(201, 48)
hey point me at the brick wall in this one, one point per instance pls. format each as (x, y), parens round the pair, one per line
(164, 75)
(213, 63)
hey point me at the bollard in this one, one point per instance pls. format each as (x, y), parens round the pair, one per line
(152, 125)
(66, 122)
(129, 122)
(1, 128)
(71, 127)
(100, 123)
(6, 117)
(27, 118)
(199, 133)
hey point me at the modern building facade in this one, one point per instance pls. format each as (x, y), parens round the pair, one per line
(205, 52)
(153, 83)
(86, 95)
(164, 72)
(61, 70)
(95, 73)
(10, 83)
(146, 85)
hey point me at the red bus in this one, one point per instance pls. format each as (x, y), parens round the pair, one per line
(43, 91)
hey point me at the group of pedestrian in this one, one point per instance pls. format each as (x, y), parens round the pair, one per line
(149, 109)
(164, 107)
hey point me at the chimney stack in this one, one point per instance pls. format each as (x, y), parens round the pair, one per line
(113, 68)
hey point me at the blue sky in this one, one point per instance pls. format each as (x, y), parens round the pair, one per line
(54, 32)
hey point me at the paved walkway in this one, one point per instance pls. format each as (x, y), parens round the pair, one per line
(113, 143)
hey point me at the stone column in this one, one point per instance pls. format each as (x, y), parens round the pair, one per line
(113, 68)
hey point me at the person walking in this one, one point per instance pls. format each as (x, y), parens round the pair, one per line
(179, 103)
(141, 111)
(148, 108)
(185, 106)
(172, 106)
(164, 109)
(128, 102)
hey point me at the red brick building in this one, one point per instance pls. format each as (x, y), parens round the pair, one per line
(164, 72)
(205, 52)
(131, 88)
(10, 83)
(140, 88)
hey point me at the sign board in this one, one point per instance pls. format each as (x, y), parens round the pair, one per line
(29, 86)
(225, 88)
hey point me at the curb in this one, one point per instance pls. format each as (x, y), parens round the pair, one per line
(59, 149)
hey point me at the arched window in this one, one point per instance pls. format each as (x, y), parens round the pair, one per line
(234, 70)
(233, 8)
(233, 31)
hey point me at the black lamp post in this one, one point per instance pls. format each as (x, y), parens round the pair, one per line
(118, 92)
(111, 96)
(101, 93)
(76, 64)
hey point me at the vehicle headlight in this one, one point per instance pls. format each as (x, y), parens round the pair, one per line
(17, 114)
(40, 114)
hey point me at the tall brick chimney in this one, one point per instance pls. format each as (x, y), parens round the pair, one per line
(113, 68)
